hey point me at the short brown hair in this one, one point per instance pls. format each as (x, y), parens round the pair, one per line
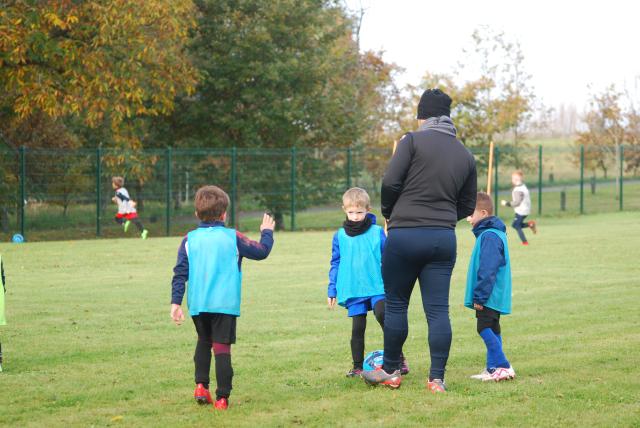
(518, 172)
(484, 202)
(118, 181)
(211, 203)
(356, 197)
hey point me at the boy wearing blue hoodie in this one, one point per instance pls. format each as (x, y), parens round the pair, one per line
(489, 286)
(210, 261)
(355, 277)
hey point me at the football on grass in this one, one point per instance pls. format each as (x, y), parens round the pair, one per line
(373, 360)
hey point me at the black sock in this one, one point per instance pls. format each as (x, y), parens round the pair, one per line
(357, 353)
(224, 375)
(202, 360)
(138, 224)
(357, 340)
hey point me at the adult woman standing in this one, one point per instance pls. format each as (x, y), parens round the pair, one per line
(430, 184)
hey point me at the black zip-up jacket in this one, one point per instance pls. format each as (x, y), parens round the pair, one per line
(431, 181)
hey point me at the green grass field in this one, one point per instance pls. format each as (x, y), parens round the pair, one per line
(90, 342)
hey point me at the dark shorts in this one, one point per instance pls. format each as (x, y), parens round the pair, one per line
(488, 318)
(219, 328)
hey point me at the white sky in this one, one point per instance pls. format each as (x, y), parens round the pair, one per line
(567, 44)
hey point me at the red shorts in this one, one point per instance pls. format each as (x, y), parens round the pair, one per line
(129, 216)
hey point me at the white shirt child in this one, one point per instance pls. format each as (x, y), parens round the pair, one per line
(125, 204)
(521, 200)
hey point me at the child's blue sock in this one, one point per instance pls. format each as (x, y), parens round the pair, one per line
(491, 362)
(495, 355)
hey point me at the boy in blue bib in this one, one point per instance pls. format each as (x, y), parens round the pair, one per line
(355, 277)
(210, 259)
(489, 286)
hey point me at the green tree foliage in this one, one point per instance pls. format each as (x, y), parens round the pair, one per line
(609, 123)
(279, 75)
(632, 139)
(70, 69)
(101, 60)
(494, 104)
(274, 74)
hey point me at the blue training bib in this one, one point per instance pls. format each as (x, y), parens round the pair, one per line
(214, 276)
(359, 271)
(500, 299)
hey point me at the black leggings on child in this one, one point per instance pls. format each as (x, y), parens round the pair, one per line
(135, 221)
(216, 332)
(358, 329)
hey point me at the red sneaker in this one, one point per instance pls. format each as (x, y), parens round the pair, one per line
(533, 226)
(202, 395)
(525, 243)
(221, 404)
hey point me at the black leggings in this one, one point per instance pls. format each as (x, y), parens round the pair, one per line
(427, 255)
(135, 221)
(358, 328)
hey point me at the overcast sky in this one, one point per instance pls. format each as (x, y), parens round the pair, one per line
(567, 44)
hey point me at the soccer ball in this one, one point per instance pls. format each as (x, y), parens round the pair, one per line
(373, 360)
(17, 239)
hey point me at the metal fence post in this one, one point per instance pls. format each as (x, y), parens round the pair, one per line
(293, 189)
(168, 191)
(496, 158)
(621, 175)
(98, 195)
(234, 185)
(540, 179)
(349, 167)
(23, 196)
(582, 179)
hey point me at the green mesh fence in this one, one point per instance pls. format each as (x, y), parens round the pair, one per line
(62, 194)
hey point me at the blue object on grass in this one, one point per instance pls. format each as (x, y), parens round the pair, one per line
(373, 360)
(17, 239)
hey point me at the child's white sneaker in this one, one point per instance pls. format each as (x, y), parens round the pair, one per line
(483, 375)
(502, 373)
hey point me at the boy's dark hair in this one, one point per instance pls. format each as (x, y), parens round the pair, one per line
(211, 203)
(484, 202)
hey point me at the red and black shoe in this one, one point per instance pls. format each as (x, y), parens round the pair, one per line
(202, 395)
(354, 372)
(221, 403)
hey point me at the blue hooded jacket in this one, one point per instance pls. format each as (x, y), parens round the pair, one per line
(489, 266)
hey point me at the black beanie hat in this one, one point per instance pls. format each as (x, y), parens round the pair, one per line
(434, 103)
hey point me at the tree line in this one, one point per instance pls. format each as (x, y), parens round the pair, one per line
(128, 75)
